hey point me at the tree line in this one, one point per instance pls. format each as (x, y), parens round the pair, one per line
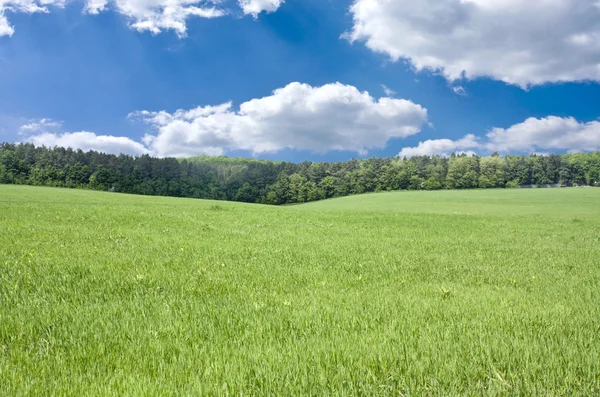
(275, 182)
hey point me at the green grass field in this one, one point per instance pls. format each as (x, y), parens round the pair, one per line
(493, 292)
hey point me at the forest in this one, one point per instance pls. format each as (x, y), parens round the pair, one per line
(272, 182)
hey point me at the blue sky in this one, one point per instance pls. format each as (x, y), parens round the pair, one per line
(100, 81)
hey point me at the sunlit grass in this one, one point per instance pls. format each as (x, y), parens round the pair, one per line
(411, 293)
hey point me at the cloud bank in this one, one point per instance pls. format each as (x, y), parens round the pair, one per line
(441, 147)
(550, 133)
(531, 136)
(298, 116)
(318, 119)
(154, 16)
(524, 43)
(89, 141)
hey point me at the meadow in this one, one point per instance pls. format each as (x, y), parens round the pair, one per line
(470, 293)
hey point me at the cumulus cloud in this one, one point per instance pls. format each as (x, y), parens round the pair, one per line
(46, 132)
(158, 15)
(255, 7)
(441, 147)
(534, 135)
(519, 42)
(298, 116)
(550, 133)
(319, 119)
(89, 141)
(94, 7)
(24, 6)
(154, 16)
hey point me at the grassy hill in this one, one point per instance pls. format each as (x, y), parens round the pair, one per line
(493, 292)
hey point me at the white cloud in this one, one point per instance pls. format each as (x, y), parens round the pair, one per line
(388, 91)
(298, 116)
(154, 16)
(94, 7)
(89, 141)
(24, 6)
(255, 7)
(519, 42)
(441, 147)
(158, 15)
(37, 126)
(320, 119)
(459, 90)
(550, 133)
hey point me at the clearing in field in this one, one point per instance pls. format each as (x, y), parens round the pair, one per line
(493, 292)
